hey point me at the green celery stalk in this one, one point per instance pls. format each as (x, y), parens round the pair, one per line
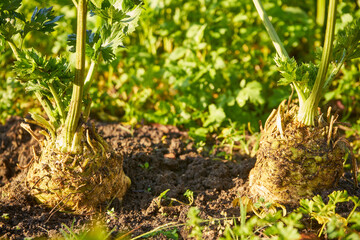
(73, 117)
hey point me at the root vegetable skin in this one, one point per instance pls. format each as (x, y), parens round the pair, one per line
(77, 182)
(293, 165)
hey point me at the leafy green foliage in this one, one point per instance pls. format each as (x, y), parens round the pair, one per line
(304, 75)
(194, 222)
(180, 63)
(348, 40)
(273, 225)
(33, 67)
(42, 20)
(252, 93)
(199, 71)
(347, 47)
(107, 11)
(9, 5)
(50, 77)
(325, 214)
(169, 234)
(120, 18)
(7, 19)
(12, 22)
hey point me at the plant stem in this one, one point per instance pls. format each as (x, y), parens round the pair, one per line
(45, 103)
(90, 75)
(335, 71)
(320, 12)
(308, 110)
(280, 49)
(58, 102)
(72, 120)
(14, 49)
(75, 3)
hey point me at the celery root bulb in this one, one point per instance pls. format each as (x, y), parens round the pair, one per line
(296, 161)
(77, 182)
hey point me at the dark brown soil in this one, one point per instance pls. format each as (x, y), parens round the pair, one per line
(156, 158)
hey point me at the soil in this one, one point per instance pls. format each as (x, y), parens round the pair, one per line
(156, 158)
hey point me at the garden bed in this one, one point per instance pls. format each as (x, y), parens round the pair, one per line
(156, 158)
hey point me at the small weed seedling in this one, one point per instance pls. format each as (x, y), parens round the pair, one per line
(325, 214)
(160, 197)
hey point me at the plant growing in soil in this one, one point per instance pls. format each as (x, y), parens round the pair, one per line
(77, 169)
(300, 150)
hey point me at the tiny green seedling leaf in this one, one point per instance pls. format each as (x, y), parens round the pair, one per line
(338, 197)
(161, 196)
(190, 196)
(5, 216)
(169, 234)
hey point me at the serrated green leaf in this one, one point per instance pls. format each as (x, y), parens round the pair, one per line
(132, 19)
(42, 20)
(216, 115)
(355, 200)
(31, 66)
(306, 206)
(282, 231)
(336, 229)
(196, 32)
(252, 93)
(287, 68)
(348, 39)
(93, 41)
(7, 30)
(121, 18)
(108, 12)
(338, 197)
(304, 75)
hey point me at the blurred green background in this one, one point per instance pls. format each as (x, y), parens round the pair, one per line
(202, 65)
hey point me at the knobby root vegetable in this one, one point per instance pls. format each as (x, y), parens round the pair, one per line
(78, 182)
(295, 160)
